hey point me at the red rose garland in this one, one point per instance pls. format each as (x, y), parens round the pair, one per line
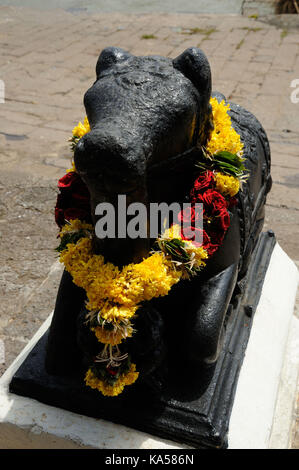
(73, 200)
(216, 219)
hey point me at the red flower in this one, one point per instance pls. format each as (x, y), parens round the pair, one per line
(191, 214)
(224, 219)
(72, 182)
(67, 180)
(59, 216)
(201, 184)
(111, 371)
(193, 234)
(73, 200)
(213, 201)
(215, 208)
(216, 218)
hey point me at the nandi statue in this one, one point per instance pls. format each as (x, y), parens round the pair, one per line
(148, 315)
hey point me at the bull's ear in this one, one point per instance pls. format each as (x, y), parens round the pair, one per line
(110, 56)
(194, 64)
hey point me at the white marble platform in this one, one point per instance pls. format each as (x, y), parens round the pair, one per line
(262, 411)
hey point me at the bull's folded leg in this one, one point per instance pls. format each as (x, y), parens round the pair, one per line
(203, 338)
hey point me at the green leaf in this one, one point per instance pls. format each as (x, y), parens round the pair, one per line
(175, 247)
(229, 169)
(229, 163)
(229, 158)
(70, 238)
(224, 161)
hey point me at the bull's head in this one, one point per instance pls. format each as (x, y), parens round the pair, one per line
(149, 117)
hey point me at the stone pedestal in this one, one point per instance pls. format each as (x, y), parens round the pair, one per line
(261, 397)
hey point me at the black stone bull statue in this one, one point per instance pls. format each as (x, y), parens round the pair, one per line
(149, 118)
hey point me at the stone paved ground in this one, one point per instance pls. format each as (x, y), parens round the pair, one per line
(47, 62)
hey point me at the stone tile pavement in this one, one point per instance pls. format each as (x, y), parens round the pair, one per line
(47, 62)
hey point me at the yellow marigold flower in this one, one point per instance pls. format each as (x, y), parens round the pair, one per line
(116, 314)
(72, 169)
(76, 255)
(223, 137)
(131, 376)
(199, 254)
(227, 185)
(173, 232)
(81, 129)
(112, 390)
(157, 274)
(117, 294)
(75, 225)
(112, 337)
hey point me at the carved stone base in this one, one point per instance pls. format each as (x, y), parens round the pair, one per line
(195, 415)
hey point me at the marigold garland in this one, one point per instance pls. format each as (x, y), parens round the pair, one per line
(114, 295)
(111, 390)
(224, 137)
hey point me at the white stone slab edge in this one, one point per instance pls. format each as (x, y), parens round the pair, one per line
(27, 423)
(284, 415)
(271, 344)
